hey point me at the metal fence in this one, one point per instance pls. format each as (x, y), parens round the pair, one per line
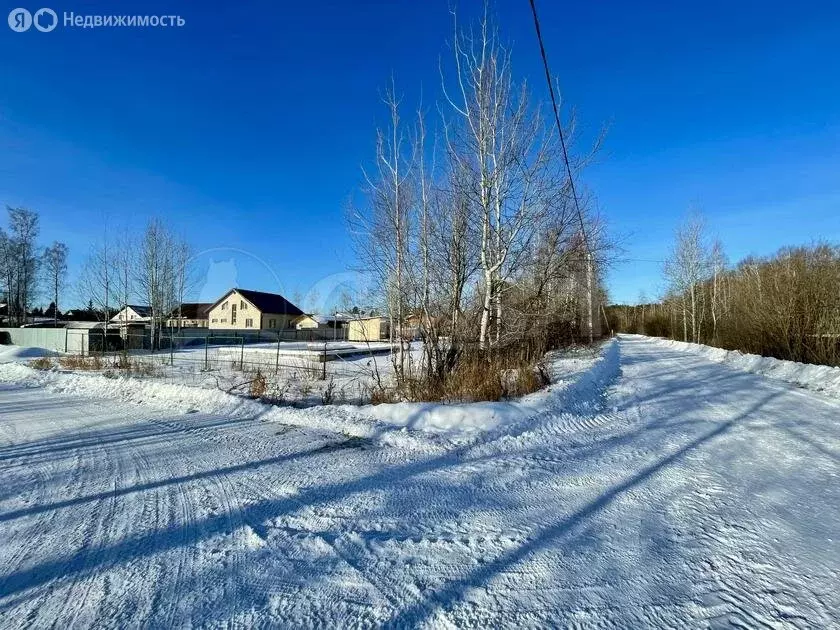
(58, 339)
(288, 334)
(191, 358)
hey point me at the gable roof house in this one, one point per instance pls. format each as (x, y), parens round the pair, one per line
(252, 310)
(189, 315)
(133, 314)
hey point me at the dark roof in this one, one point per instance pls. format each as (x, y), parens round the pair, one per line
(265, 302)
(142, 311)
(192, 310)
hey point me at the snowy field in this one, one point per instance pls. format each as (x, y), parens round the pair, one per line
(652, 487)
(295, 372)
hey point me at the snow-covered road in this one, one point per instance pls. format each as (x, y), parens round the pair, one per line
(690, 494)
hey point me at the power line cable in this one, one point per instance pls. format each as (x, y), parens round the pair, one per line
(559, 125)
(568, 169)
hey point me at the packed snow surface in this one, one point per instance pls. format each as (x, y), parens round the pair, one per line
(652, 488)
(820, 378)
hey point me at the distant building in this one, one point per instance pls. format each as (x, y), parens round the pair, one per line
(373, 328)
(411, 325)
(189, 315)
(252, 310)
(81, 315)
(309, 321)
(133, 314)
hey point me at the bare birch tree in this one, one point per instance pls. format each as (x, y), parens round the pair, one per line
(383, 231)
(184, 277)
(8, 271)
(502, 142)
(154, 275)
(55, 268)
(124, 272)
(94, 284)
(686, 267)
(162, 274)
(23, 228)
(717, 264)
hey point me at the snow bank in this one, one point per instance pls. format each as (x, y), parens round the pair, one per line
(576, 387)
(11, 354)
(182, 398)
(818, 378)
(578, 384)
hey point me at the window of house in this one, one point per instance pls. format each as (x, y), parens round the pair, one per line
(242, 306)
(215, 320)
(224, 320)
(224, 306)
(249, 323)
(272, 323)
(233, 313)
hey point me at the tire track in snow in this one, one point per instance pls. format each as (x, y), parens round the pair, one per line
(41, 531)
(350, 538)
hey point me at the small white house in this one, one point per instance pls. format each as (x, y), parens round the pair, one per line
(133, 314)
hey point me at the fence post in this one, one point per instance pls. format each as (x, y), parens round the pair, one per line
(277, 358)
(206, 361)
(66, 332)
(242, 354)
(171, 351)
(324, 363)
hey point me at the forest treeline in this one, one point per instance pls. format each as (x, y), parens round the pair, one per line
(786, 305)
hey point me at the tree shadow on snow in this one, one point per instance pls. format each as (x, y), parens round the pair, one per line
(564, 530)
(90, 561)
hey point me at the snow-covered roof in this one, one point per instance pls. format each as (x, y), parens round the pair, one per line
(144, 313)
(326, 319)
(85, 325)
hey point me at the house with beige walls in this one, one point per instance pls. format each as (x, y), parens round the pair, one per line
(243, 309)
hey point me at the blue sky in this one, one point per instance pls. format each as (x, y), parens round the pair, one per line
(247, 128)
